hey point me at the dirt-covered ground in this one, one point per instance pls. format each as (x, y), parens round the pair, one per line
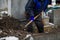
(10, 26)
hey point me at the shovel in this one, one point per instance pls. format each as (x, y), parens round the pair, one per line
(32, 20)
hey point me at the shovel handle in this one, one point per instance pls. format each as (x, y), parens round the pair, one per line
(32, 20)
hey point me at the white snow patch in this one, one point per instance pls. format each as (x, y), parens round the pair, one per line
(29, 36)
(9, 38)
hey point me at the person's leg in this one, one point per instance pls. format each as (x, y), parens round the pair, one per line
(30, 27)
(39, 25)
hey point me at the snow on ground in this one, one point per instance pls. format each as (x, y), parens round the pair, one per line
(9, 38)
(28, 37)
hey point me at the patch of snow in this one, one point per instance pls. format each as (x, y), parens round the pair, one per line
(51, 24)
(4, 12)
(29, 36)
(9, 38)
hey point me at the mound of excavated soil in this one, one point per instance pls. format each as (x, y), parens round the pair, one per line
(11, 26)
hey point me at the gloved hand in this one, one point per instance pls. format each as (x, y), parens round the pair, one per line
(32, 18)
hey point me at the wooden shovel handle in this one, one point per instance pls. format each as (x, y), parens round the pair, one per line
(32, 20)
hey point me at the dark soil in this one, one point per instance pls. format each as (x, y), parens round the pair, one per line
(11, 27)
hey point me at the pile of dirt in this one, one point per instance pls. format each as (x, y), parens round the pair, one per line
(9, 23)
(11, 26)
